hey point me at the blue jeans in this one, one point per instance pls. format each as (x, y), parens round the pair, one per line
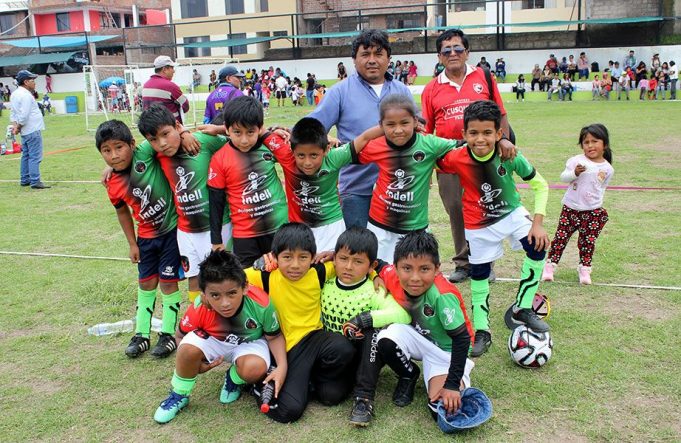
(310, 97)
(31, 156)
(355, 209)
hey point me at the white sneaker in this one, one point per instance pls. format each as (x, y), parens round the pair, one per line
(584, 274)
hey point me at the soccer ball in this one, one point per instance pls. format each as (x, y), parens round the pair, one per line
(528, 348)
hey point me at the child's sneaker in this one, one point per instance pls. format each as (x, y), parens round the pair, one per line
(138, 345)
(547, 275)
(584, 274)
(530, 319)
(165, 346)
(483, 340)
(404, 391)
(230, 391)
(362, 412)
(170, 407)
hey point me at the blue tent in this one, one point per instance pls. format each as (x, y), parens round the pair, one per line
(110, 80)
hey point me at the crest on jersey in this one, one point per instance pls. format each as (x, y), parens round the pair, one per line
(323, 172)
(267, 156)
(251, 324)
(478, 88)
(419, 156)
(140, 167)
(501, 170)
(428, 310)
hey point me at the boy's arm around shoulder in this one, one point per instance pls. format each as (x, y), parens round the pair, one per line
(385, 310)
(365, 137)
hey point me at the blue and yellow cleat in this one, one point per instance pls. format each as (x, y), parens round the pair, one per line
(230, 391)
(170, 407)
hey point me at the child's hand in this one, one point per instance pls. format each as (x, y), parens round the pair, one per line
(379, 284)
(579, 169)
(507, 150)
(134, 254)
(106, 175)
(190, 144)
(219, 247)
(205, 366)
(322, 257)
(333, 142)
(451, 400)
(538, 237)
(278, 375)
(283, 133)
(212, 129)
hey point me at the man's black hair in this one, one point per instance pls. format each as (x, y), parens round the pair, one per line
(449, 34)
(294, 236)
(112, 130)
(369, 38)
(417, 244)
(244, 111)
(358, 240)
(309, 131)
(154, 118)
(220, 266)
(484, 111)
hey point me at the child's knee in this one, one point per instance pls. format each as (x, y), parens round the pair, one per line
(480, 271)
(251, 368)
(187, 352)
(168, 287)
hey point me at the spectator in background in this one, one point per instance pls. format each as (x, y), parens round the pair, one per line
(398, 70)
(405, 72)
(552, 63)
(161, 89)
(412, 72)
(655, 63)
(520, 87)
(583, 66)
(483, 63)
(555, 87)
(595, 88)
(439, 67)
(572, 67)
(196, 79)
(48, 83)
(7, 93)
(281, 88)
(563, 66)
(630, 61)
(652, 87)
(547, 76)
(342, 72)
(673, 79)
(229, 88)
(624, 83)
(606, 85)
(566, 86)
(663, 81)
(642, 84)
(212, 80)
(309, 88)
(536, 77)
(500, 69)
(641, 73)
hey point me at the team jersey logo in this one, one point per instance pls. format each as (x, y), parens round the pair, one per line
(306, 199)
(401, 181)
(501, 170)
(421, 330)
(143, 196)
(489, 194)
(250, 195)
(419, 156)
(140, 167)
(183, 179)
(211, 174)
(323, 172)
(267, 156)
(169, 271)
(428, 310)
(186, 323)
(255, 180)
(233, 339)
(449, 316)
(251, 324)
(478, 88)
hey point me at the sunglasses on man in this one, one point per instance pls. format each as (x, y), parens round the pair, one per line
(447, 50)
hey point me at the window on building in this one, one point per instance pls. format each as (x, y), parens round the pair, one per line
(279, 33)
(7, 22)
(197, 52)
(234, 7)
(264, 6)
(533, 4)
(467, 5)
(402, 21)
(63, 22)
(348, 24)
(193, 8)
(128, 20)
(240, 49)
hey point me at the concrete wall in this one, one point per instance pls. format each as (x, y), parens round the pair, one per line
(621, 8)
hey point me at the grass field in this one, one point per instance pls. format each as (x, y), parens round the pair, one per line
(614, 375)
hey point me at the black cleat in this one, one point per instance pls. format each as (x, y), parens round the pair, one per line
(459, 275)
(483, 340)
(404, 391)
(362, 412)
(530, 319)
(165, 346)
(138, 345)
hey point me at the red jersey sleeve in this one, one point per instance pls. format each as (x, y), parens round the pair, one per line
(426, 104)
(368, 154)
(216, 173)
(281, 150)
(450, 162)
(193, 319)
(115, 192)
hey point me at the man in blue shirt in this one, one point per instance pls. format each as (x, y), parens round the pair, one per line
(352, 106)
(27, 120)
(229, 87)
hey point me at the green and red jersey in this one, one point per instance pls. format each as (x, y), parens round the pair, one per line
(400, 198)
(439, 310)
(145, 190)
(312, 199)
(188, 176)
(490, 192)
(256, 199)
(256, 316)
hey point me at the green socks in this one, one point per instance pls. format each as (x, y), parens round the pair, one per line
(480, 302)
(529, 282)
(145, 309)
(171, 310)
(182, 386)
(235, 377)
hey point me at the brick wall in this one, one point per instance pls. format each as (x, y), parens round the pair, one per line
(622, 8)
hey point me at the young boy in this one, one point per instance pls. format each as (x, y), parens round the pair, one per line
(187, 175)
(351, 306)
(295, 289)
(311, 172)
(492, 212)
(143, 189)
(244, 170)
(440, 332)
(228, 321)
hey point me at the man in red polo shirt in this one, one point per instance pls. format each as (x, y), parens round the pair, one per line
(443, 101)
(161, 89)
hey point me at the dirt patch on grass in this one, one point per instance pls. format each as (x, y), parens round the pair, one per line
(640, 415)
(625, 308)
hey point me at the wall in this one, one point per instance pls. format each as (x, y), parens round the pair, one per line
(47, 23)
(619, 8)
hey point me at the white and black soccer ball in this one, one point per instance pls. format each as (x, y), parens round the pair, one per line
(528, 348)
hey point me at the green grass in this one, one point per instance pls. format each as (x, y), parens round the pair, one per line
(614, 374)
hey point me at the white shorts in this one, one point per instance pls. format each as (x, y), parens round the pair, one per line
(487, 244)
(213, 348)
(196, 246)
(326, 236)
(386, 242)
(415, 346)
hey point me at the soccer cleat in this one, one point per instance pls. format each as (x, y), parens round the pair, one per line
(230, 391)
(584, 274)
(404, 391)
(170, 407)
(483, 340)
(530, 319)
(459, 275)
(138, 345)
(547, 274)
(362, 412)
(165, 346)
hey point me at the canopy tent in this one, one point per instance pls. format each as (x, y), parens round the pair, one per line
(119, 81)
(34, 59)
(57, 41)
